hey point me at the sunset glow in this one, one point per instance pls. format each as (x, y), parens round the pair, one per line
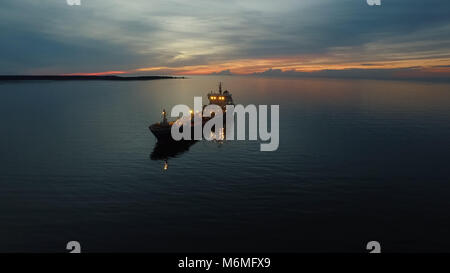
(427, 67)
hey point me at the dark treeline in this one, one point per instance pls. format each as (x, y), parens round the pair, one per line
(81, 78)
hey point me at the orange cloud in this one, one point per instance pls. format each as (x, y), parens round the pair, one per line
(309, 63)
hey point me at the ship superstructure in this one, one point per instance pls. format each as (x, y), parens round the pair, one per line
(220, 98)
(162, 130)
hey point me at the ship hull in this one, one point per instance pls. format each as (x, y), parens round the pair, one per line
(161, 133)
(164, 133)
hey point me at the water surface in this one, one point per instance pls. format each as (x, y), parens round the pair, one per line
(358, 160)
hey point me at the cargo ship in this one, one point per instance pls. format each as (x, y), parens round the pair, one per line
(162, 130)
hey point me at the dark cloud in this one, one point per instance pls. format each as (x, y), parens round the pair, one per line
(223, 72)
(409, 73)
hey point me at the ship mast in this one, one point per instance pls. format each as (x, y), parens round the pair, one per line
(164, 121)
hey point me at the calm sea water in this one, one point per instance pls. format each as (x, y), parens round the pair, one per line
(358, 161)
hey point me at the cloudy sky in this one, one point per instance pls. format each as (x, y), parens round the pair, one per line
(293, 37)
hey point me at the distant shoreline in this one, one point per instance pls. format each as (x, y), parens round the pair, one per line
(82, 78)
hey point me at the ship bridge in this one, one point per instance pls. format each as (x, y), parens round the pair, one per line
(220, 98)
